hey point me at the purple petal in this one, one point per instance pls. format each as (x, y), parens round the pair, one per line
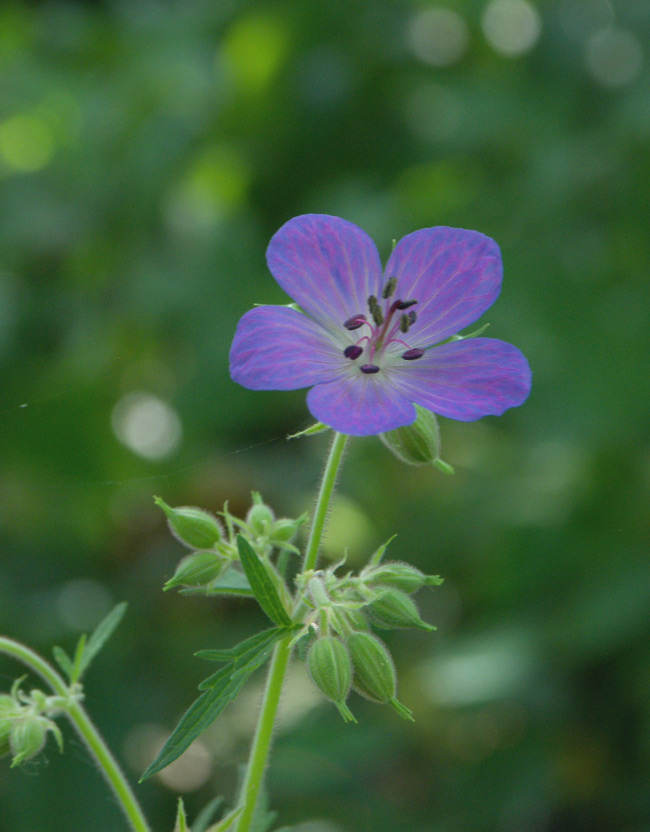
(466, 380)
(327, 265)
(360, 405)
(455, 275)
(277, 348)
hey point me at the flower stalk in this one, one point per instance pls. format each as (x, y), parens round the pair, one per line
(85, 728)
(257, 761)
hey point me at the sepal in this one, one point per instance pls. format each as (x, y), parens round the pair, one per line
(192, 526)
(417, 443)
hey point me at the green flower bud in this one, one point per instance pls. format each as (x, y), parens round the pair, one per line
(330, 668)
(417, 443)
(401, 576)
(285, 529)
(353, 618)
(8, 706)
(192, 526)
(260, 517)
(27, 739)
(394, 608)
(198, 569)
(374, 672)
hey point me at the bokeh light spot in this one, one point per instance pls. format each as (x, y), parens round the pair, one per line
(614, 56)
(186, 774)
(147, 425)
(82, 604)
(511, 27)
(254, 50)
(26, 143)
(438, 36)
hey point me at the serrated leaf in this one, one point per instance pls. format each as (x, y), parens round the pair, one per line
(218, 690)
(63, 660)
(262, 584)
(100, 635)
(231, 654)
(181, 818)
(250, 657)
(206, 814)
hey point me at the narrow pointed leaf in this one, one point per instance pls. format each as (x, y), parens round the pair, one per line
(78, 659)
(262, 584)
(226, 822)
(181, 818)
(232, 582)
(206, 814)
(103, 631)
(63, 660)
(233, 653)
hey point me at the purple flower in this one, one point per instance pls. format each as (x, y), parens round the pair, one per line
(366, 343)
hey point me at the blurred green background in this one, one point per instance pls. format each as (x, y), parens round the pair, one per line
(148, 151)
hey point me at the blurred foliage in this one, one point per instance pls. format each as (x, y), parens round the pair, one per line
(148, 151)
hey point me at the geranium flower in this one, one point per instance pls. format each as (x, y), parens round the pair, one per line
(371, 345)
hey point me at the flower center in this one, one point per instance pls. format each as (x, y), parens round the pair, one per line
(386, 322)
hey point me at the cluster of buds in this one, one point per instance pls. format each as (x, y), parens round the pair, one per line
(214, 548)
(25, 721)
(346, 655)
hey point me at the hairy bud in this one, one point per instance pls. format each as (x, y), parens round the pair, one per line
(394, 608)
(417, 443)
(401, 576)
(198, 569)
(374, 672)
(192, 526)
(260, 517)
(330, 668)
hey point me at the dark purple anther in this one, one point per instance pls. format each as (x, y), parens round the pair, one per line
(412, 317)
(352, 352)
(411, 355)
(355, 322)
(404, 304)
(369, 368)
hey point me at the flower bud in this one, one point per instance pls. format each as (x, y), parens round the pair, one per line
(394, 608)
(401, 576)
(330, 668)
(8, 706)
(260, 517)
(285, 529)
(198, 569)
(374, 672)
(27, 739)
(192, 526)
(353, 618)
(417, 443)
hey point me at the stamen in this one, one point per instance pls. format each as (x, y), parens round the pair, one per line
(375, 311)
(404, 304)
(369, 368)
(352, 352)
(389, 288)
(404, 323)
(411, 355)
(413, 316)
(355, 321)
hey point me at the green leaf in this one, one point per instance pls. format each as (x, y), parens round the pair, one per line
(102, 632)
(63, 660)
(77, 661)
(206, 814)
(255, 651)
(218, 690)
(181, 818)
(262, 584)
(318, 427)
(227, 821)
(379, 554)
(232, 582)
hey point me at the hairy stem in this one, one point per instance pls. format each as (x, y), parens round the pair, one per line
(264, 732)
(86, 730)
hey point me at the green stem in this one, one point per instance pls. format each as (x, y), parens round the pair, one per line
(282, 653)
(324, 497)
(86, 730)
